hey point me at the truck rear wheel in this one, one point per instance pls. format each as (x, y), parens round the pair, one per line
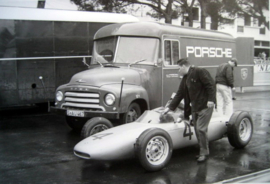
(133, 113)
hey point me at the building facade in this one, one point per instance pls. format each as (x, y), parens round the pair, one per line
(242, 26)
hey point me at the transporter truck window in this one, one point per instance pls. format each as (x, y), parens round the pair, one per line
(171, 52)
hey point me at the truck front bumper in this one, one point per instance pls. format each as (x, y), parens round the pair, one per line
(86, 114)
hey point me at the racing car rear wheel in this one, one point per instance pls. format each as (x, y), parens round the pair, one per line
(153, 148)
(240, 129)
(95, 125)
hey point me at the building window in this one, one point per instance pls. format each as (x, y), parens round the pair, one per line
(257, 43)
(195, 12)
(226, 21)
(240, 29)
(265, 44)
(247, 19)
(255, 22)
(262, 30)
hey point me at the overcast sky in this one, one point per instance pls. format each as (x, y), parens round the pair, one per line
(50, 4)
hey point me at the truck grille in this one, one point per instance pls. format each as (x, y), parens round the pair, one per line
(82, 101)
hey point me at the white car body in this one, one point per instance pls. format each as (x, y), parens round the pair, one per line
(118, 142)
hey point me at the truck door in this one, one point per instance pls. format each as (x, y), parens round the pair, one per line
(170, 75)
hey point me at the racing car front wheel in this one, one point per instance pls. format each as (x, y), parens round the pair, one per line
(95, 125)
(240, 129)
(153, 148)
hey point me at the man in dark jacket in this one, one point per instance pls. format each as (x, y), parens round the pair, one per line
(224, 86)
(198, 87)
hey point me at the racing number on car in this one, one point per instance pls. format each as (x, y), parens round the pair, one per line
(187, 128)
(100, 136)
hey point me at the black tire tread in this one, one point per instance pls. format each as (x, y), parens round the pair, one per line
(140, 146)
(233, 134)
(93, 122)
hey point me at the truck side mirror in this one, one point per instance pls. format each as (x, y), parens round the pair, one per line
(84, 62)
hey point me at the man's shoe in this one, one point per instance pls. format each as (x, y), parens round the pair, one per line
(202, 158)
(198, 156)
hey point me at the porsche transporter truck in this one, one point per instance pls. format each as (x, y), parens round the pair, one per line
(134, 68)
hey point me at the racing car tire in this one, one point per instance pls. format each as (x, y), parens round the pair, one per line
(95, 125)
(133, 113)
(154, 148)
(240, 129)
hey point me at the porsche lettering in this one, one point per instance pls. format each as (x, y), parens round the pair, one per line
(208, 52)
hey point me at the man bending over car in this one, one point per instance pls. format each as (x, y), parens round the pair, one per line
(197, 88)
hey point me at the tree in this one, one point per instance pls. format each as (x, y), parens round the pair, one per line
(221, 10)
(101, 5)
(203, 4)
(187, 8)
(233, 8)
(214, 10)
(254, 8)
(167, 9)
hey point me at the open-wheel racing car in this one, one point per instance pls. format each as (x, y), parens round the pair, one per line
(152, 140)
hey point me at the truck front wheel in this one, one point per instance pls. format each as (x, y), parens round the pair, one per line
(133, 113)
(75, 123)
(95, 125)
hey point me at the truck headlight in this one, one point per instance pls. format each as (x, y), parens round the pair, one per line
(59, 96)
(109, 99)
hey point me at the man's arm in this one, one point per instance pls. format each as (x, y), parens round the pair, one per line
(229, 76)
(179, 95)
(209, 85)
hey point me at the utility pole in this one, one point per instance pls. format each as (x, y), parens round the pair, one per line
(159, 10)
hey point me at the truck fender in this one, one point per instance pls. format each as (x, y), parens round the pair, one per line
(133, 94)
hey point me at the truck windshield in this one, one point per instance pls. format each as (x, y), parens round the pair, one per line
(128, 50)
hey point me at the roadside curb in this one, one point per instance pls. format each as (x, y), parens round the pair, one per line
(252, 89)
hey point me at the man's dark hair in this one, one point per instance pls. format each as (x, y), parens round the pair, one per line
(235, 61)
(183, 61)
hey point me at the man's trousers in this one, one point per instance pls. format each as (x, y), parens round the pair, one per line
(201, 121)
(224, 100)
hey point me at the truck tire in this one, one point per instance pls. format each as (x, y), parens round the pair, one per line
(153, 148)
(133, 113)
(240, 129)
(95, 125)
(75, 123)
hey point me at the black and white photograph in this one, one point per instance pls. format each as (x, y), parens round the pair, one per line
(134, 91)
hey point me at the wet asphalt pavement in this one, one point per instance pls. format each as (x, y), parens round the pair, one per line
(37, 147)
